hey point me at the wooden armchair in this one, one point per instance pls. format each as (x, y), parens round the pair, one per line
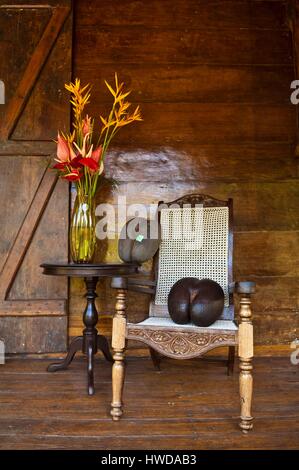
(208, 256)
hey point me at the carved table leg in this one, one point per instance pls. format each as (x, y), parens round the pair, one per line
(91, 341)
(103, 346)
(76, 345)
(90, 377)
(245, 355)
(90, 333)
(118, 345)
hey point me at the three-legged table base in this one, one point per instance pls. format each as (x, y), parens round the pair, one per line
(90, 342)
(76, 345)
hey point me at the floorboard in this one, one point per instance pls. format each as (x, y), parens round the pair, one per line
(188, 405)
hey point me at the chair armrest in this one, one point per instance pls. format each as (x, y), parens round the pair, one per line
(245, 287)
(144, 286)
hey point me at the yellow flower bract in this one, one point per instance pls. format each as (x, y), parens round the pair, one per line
(118, 117)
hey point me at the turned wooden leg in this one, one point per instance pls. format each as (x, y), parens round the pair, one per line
(90, 333)
(76, 345)
(245, 356)
(103, 346)
(118, 345)
(90, 376)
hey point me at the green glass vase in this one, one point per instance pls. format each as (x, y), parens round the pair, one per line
(82, 230)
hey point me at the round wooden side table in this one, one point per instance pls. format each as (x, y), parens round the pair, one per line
(91, 341)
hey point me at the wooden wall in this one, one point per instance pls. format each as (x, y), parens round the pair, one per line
(213, 81)
(35, 40)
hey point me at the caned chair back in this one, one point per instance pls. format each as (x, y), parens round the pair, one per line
(196, 241)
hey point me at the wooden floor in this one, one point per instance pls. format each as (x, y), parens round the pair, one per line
(189, 405)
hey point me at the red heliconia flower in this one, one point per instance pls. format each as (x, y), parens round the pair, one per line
(59, 166)
(96, 154)
(75, 175)
(76, 162)
(90, 163)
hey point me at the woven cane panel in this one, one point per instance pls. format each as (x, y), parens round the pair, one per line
(194, 244)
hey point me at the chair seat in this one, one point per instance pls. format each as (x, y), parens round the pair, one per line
(158, 322)
(182, 341)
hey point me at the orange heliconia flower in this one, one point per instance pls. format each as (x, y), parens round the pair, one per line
(97, 154)
(87, 126)
(63, 150)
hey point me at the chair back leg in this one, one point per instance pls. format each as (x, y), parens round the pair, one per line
(231, 360)
(156, 358)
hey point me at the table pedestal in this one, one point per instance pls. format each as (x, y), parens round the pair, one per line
(91, 341)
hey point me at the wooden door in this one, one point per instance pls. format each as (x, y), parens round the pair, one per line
(35, 51)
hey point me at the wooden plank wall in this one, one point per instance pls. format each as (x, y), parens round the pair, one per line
(213, 80)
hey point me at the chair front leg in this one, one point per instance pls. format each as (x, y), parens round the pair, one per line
(118, 345)
(245, 356)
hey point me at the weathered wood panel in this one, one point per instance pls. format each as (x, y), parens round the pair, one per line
(35, 40)
(21, 177)
(201, 123)
(266, 253)
(52, 247)
(193, 14)
(202, 163)
(50, 110)
(167, 46)
(32, 308)
(275, 295)
(257, 205)
(34, 23)
(34, 334)
(195, 83)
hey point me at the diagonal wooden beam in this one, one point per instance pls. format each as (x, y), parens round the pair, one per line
(33, 69)
(26, 232)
